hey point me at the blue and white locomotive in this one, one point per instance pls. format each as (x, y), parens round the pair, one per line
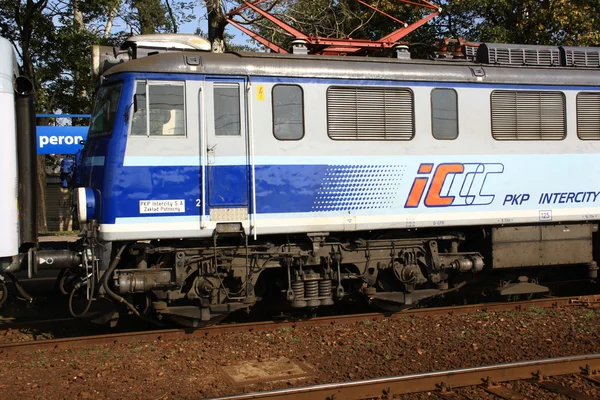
(211, 181)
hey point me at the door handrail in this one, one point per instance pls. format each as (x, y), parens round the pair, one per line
(203, 154)
(253, 228)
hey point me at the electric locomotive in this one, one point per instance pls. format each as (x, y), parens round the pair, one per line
(210, 182)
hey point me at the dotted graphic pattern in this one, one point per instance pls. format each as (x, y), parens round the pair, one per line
(359, 187)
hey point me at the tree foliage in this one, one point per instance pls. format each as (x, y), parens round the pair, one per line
(549, 22)
(53, 37)
(552, 22)
(53, 40)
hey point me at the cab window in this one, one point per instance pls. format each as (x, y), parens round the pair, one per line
(105, 110)
(158, 109)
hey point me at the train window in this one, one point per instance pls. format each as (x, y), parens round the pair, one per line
(288, 112)
(105, 110)
(444, 114)
(227, 109)
(588, 115)
(167, 110)
(139, 121)
(528, 115)
(370, 113)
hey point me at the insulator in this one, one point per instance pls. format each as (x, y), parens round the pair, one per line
(325, 288)
(311, 289)
(298, 288)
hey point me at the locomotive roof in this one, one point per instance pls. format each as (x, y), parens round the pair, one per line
(309, 66)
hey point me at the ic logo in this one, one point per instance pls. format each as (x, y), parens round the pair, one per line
(452, 184)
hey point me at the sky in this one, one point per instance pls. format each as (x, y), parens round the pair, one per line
(200, 20)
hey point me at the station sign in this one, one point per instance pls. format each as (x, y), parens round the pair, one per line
(61, 139)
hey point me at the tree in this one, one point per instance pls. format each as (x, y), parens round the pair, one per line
(26, 25)
(548, 22)
(53, 40)
(551, 22)
(338, 19)
(216, 25)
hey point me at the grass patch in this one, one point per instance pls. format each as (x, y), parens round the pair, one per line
(538, 311)
(589, 314)
(59, 233)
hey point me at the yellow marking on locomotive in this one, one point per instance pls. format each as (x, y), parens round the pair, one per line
(260, 92)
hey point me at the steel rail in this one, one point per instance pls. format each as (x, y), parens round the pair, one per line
(183, 333)
(422, 382)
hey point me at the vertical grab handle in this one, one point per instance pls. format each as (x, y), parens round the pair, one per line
(203, 156)
(253, 229)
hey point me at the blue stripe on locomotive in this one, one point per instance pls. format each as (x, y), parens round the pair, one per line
(365, 189)
(279, 188)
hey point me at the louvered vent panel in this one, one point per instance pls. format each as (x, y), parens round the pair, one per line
(470, 51)
(370, 113)
(504, 54)
(528, 115)
(581, 56)
(588, 116)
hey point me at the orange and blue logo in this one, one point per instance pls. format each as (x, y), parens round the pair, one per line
(452, 184)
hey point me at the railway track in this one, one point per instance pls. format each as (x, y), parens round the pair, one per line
(487, 378)
(182, 333)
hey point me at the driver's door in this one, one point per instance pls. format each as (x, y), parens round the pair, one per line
(227, 150)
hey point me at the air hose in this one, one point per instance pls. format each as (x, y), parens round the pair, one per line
(89, 301)
(20, 289)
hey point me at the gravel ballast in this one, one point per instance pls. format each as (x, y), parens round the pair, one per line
(195, 368)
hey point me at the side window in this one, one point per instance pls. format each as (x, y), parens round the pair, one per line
(588, 115)
(140, 118)
(444, 114)
(227, 109)
(528, 115)
(158, 109)
(105, 110)
(288, 112)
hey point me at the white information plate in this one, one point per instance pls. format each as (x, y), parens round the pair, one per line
(162, 206)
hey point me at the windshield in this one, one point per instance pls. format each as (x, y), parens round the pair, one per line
(105, 110)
